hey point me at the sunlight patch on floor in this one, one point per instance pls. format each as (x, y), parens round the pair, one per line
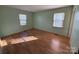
(3, 43)
(18, 40)
(30, 38)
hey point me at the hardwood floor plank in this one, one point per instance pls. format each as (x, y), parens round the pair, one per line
(35, 42)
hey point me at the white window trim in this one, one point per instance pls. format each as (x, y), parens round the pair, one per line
(63, 20)
(21, 20)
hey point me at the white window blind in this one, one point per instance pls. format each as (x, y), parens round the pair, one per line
(58, 19)
(23, 19)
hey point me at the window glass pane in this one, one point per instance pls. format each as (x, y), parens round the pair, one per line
(58, 19)
(22, 23)
(22, 16)
(23, 19)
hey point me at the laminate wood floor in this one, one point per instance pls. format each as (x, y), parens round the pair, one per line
(35, 42)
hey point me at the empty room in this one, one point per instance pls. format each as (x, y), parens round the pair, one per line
(39, 29)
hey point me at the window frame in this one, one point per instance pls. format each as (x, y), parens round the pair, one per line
(63, 20)
(20, 20)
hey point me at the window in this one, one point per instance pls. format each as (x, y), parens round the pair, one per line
(23, 19)
(58, 19)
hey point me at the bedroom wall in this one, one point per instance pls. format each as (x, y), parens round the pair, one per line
(75, 30)
(0, 20)
(9, 22)
(43, 20)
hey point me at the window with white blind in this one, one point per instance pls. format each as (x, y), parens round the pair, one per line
(58, 19)
(23, 19)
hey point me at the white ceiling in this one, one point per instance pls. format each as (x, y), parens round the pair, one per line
(35, 8)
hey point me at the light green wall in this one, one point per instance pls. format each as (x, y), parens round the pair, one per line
(75, 29)
(44, 19)
(0, 21)
(9, 22)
